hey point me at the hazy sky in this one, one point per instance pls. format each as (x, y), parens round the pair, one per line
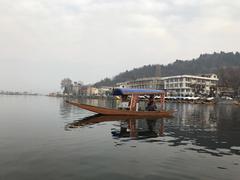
(44, 41)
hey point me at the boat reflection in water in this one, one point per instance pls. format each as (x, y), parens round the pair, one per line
(128, 126)
(139, 129)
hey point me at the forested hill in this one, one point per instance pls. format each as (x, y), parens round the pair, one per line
(219, 63)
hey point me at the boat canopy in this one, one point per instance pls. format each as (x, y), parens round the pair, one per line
(128, 91)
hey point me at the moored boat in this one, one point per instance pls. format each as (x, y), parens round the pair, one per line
(132, 110)
(121, 112)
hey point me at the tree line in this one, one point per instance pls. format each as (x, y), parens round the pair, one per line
(225, 65)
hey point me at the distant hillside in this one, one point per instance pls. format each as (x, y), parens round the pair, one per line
(206, 63)
(219, 63)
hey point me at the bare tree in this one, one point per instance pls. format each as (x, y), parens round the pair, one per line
(66, 85)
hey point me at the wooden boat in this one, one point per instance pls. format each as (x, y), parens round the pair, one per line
(132, 109)
(118, 112)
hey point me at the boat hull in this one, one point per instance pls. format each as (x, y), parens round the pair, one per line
(117, 112)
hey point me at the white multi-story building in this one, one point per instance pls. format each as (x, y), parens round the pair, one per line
(181, 85)
(188, 85)
(76, 88)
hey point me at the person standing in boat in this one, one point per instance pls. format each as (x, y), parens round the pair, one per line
(125, 103)
(151, 105)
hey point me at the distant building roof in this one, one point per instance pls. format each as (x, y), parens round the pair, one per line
(191, 76)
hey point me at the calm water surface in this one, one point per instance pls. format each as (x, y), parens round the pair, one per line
(44, 138)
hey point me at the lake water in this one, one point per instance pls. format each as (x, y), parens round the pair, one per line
(45, 138)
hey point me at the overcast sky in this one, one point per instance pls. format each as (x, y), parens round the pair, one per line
(44, 41)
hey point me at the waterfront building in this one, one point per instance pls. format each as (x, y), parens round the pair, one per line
(181, 85)
(189, 85)
(225, 91)
(76, 88)
(143, 83)
(105, 91)
(88, 91)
